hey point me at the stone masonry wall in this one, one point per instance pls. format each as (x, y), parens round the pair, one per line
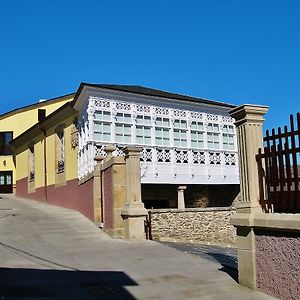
(202, 225)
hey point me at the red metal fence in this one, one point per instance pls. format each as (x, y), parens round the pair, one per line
(279, 169)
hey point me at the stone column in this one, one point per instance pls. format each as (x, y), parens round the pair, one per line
(133, 212)
(249, 121)
(180, 203)
(97, 187)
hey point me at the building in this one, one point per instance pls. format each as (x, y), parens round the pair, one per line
(12, 124)
(186, 144)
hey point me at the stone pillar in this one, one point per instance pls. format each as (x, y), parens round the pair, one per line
(109, 149)
(180, 203)
(133, 212)
(249, 121)
(97, 201)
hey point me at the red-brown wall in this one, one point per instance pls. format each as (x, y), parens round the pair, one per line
(71, 195)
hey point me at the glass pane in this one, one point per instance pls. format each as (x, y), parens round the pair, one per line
(166, 133)
(106, 127)
(97, 136)
(159, 121)
(127, 129)
(158, 132)
(147, 131)
(139, 139)
(165, 122)
(183, 135)
(119, 128)
(119, 138)
(176, 123)
(8, 179)
(183, 124)
(127, 118)
(210, 127)
(106, 116)
(97, 127)
(119, 117)
(2, 180)
(98, 116)
(176, 134)
(139, 130)
(166, 142)
(127, 139)
(147, 120)
(106, 137)
(147, 140)
(139, 119)
(158, 141)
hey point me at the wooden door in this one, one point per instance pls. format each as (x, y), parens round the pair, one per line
(6, 182)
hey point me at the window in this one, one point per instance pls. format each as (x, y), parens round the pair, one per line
(143, 130)
(213, 136)
(5, 138)
(228, 137)
(60, 150)
(123, 128)
(197, 134)
(31, 162)
(162, 132)
(180, 133)
(102, 126)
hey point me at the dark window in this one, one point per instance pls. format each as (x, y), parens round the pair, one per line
(5, 138)
(41, 114)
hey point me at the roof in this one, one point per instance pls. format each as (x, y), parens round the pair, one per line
(36, 105)
(60, 112)
(140, 90)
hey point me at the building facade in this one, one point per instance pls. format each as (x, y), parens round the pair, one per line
(188, 150)
(14, 123)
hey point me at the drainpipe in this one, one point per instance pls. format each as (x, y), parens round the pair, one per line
(45, 165)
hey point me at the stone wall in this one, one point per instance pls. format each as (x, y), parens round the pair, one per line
(278, 263)
(199, 225)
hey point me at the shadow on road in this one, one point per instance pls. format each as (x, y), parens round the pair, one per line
(63, 284)
(228, 264)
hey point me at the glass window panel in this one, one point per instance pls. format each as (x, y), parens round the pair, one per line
(127, 138)
(106, 127)
(148, 140)
(127, 118)
(106, 137)
(210, 127)
(8, 179)
(147, 131)
(147, 120)
(119, 138)
(183, 124)
(106, 116)
(184, 135)
(97, 136)
(139, 130)
(139, 139)
(165, 122)
(166, 142)
(127, 129)
(158, 121)
(158, 132)
(97, 127)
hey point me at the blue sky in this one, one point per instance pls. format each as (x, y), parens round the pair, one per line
(234, 51)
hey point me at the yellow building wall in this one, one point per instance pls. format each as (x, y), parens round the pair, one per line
(22, 156)
(21, 121)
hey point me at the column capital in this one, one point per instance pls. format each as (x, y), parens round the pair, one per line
(251, 113)
(132, 151)
(109, 149)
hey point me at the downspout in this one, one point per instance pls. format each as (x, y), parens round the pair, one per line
(45, 165)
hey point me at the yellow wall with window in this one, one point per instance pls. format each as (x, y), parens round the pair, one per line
(37, 137)
(19, 120)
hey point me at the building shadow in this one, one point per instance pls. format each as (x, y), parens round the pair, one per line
(64, 284)
(228, 263)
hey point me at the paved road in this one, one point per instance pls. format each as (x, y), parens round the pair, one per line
(48, 252)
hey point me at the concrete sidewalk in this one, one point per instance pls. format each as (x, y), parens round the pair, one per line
(47, 252)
